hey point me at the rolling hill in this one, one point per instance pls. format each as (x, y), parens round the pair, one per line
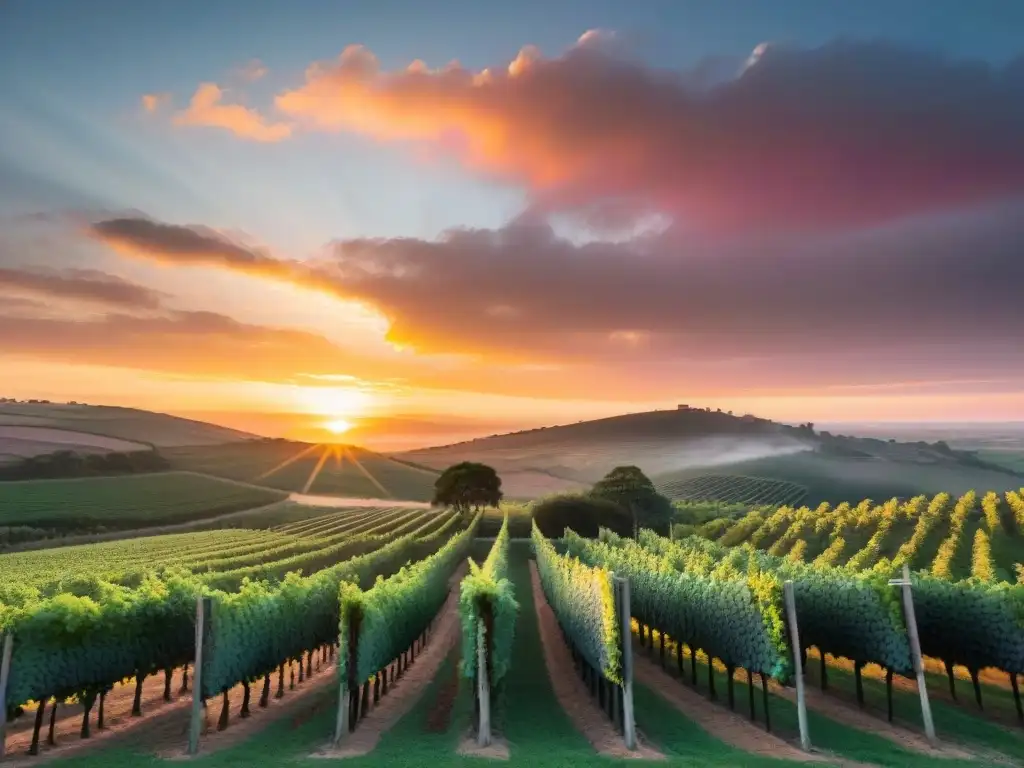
(33, 429)
(679, 445)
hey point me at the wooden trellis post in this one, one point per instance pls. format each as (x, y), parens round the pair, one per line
(626, 638)
(196, 723)
(915, 651)
(794, 634)
(483, 736)
(5, 674)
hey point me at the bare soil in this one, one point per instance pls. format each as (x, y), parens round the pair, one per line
(965, 690)
(118, 721)
(718, 721)
(406, 690)
(440, 716)
(570, 691)
(308, 698)
(313, 500)
(498, 750)
(847, 714)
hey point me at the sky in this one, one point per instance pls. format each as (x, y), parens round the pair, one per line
(432, 220)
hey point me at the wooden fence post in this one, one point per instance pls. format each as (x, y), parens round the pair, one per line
(626, 639)
(915, 651)
(196, 722)
(794, 634)
(483, 736)
(5, 674)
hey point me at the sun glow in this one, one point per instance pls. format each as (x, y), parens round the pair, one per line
(338, 426)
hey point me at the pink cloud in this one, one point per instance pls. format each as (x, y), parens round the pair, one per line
(841, 136)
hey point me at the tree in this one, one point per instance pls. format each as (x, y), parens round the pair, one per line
(631, 489)
(467, 485)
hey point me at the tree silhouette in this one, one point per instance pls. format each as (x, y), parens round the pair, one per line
(468, 485)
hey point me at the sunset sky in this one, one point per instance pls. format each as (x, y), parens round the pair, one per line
(439, 219)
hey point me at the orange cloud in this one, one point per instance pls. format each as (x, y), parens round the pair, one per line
(151, 102)
(207, 109)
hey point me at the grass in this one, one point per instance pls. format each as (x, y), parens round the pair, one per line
(343, 471)
(128, 501)
(829, 735)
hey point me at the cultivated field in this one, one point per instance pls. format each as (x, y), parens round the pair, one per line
(711, 680)
(979, 537)
(124, 502)
(83, 423)
(730, 489)
(835, 479)
(316, 469)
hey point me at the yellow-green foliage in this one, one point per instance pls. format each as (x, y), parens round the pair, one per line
(869, 554)
(990, 506)
(922, 528)
(1016, 502)
(942, 566)
(583, 600)
(832, 554)
(981, 558)
(796, 554)
(487, 588)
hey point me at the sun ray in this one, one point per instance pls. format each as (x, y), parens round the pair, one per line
(286, 462)
(316, 470)
(336, 450)
(365, 471)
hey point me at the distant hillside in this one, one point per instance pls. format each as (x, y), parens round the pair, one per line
(32, 429)
(347, 471)
(672, 446)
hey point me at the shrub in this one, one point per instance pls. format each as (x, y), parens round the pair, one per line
(584, 514)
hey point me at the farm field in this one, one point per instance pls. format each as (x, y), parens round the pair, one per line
(958, 538)
(305, 468)
(730, 489)
(129, 501)
(77, 427)
(229, 553)
(536, 729)
(836, 479)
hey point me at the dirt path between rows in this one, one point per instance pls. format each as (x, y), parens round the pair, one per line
(570, 691)
(170, 739)
(313, 500)
(118, 721)
(965, 700)
(410, 687)
(842, 712)
(721, 723)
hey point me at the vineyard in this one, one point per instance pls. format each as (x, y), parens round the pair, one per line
(316, 633)
(132, 501)
(981, 538)
(730, 489)
(330, 470)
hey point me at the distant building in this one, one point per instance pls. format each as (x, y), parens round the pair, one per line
(682, 407)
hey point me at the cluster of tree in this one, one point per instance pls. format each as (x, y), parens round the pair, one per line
(467, 486)
(625, 500)
(63, 464)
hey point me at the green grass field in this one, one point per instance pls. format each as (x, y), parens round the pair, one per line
(125, 502)
(345, 471)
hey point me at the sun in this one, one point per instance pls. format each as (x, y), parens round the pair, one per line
(338, 426)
